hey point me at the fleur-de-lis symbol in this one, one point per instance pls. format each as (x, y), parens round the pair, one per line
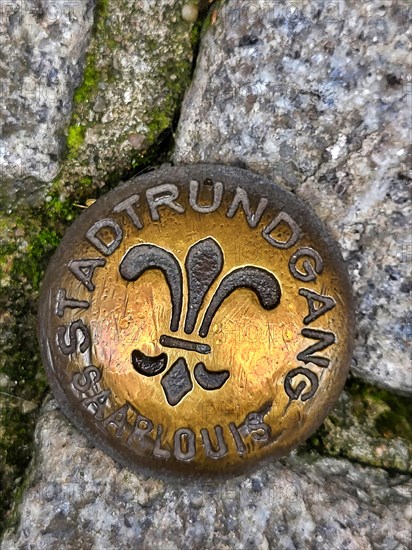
(203, 264)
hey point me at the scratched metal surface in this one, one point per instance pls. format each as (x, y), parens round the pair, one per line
(264, 407)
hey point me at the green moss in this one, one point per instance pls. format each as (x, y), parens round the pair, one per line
(9, 507)
(368, 425)
(206, 24)
(86, 181)
(161, 120)
(91, 75)
(24, 259)
(90, 81)
(195, 33)
(177, 75)
(396, 420)
(88, 88)
(24, 382)
(59, 210)
(29, 267)
(391, 424)
(75, 139)
(102, 13)
(15, 454)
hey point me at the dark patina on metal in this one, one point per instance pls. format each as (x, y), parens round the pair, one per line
(196, 320)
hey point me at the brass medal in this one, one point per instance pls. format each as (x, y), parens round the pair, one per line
(196, 320)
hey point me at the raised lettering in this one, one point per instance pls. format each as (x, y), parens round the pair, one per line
(98, 402)
(158, 451)
(296, 393)
(97, 242)
(325, 304)
(240, 446)
(142, 428)
(257, 428)
(326, 339)
(83, 270)
(311, 271)
(282, 217)
(220, 450)
(118, 419)
(194, 195)
(71, 332)
(82, 381)
(127, 206)
(241, 198)
(163, 195)
(63, 302)
(184, 445)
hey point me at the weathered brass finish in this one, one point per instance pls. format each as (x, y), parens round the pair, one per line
(196, 320)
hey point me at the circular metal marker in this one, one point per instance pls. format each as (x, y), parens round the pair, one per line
(196, 320)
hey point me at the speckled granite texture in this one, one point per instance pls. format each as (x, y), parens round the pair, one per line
(79, 499)
(42, 49)
(138, 66)
(317, 95)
